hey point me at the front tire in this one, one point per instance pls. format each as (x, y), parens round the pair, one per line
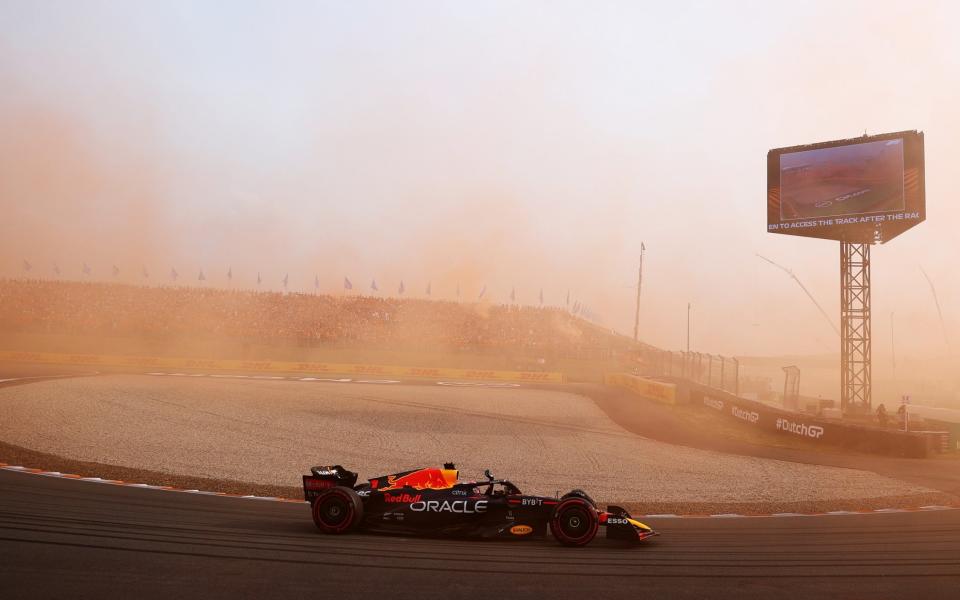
(574, 522)
(338, 510)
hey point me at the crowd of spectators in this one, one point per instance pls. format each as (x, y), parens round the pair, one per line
(96, 308)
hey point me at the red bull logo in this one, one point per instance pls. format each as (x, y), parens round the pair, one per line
(402, 498)
(424, 479)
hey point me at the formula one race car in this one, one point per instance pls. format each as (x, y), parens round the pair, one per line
(435, 502)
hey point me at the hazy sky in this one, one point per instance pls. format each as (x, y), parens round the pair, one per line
(527, 144)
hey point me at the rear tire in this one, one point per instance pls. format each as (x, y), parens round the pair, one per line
(337, 510)
(574, 522)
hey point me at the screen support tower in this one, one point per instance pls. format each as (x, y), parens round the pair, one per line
(855, 368)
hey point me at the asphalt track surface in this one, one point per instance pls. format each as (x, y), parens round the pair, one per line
(62, 538)
(66, 538)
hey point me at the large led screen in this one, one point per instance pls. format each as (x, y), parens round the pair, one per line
(863, 190)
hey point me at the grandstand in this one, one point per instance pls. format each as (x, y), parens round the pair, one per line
(98, 310)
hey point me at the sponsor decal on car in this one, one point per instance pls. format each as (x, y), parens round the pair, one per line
(801, 429)
(421, 479)
(317, 484)
(617, 521)
(747, 415)
(401, 498)
(456, 506)
(521, 530)
(713, 402)
(531, 502)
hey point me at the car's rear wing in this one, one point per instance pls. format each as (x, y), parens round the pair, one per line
(326, 477)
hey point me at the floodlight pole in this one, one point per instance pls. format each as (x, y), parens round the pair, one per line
(636, 319)
(855, 351)
(893, 352)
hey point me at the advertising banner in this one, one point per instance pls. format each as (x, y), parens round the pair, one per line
(651, 389)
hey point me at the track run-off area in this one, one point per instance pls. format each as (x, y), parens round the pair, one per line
(66, 537)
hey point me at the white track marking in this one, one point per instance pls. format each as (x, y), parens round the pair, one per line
(477, 384)
(46, 377)
(487, 384)
(165, 488)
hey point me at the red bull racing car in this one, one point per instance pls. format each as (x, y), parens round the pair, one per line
(435, 502)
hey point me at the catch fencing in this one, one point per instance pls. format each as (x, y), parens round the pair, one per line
(711, 370)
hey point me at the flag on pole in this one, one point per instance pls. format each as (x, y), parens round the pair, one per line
(513, 294)
(259, 279)
(146, 274)
(26, 265)
(173, 274)
(116, 271)
(201, 276)
(286, 280)
(230, 273)
(346, 284)
(373, 286)
(86, 269)
(429, 285)
(541, 296)
(402, 289)
(483, 292)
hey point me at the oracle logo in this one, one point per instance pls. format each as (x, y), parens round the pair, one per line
(465, 507)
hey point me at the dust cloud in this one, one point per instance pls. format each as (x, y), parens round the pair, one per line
(519, 154)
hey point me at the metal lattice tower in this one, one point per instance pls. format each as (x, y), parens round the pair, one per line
(855, 369)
